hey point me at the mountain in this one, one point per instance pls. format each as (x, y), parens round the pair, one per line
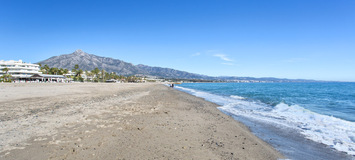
(89, 62)
(170, 73)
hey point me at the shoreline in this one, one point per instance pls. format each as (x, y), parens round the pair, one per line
(284, 137)
(119, 121)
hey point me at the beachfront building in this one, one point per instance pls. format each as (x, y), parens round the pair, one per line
(27, 72)
(19, 70)
(47, 78)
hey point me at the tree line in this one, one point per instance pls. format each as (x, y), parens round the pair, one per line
(95, 75)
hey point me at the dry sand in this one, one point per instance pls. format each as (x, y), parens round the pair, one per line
(118, 121)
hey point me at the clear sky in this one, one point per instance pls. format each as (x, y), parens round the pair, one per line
(310, 39)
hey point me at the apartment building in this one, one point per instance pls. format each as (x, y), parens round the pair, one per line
(18, 69)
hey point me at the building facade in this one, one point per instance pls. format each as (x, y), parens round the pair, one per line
(18, 69)
(27, 72)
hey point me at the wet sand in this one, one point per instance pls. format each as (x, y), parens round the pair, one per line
(119, 121)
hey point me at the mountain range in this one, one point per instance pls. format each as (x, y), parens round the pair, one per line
(89, 62)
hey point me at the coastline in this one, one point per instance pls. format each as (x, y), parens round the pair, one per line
(287, 127)
(119, 121)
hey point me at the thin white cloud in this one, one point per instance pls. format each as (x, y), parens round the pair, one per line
(196, 54)
(223, 57)
(229, 64)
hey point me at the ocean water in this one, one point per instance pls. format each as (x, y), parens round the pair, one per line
(301, 120)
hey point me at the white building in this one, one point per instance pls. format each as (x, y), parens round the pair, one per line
(47, 78)
(18, 69)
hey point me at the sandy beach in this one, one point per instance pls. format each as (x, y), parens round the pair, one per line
(119, 121)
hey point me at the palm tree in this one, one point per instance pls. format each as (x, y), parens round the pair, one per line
(60, 71)
(107, 76)
(86, 73)
(75, 70)
(89, 74)
(46, 68)
(53, 71)
(79, 73)
(96, 72)
(112, 75)
(103, 75)
(6, 70)
(65, 71)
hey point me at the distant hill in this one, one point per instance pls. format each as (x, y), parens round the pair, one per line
(89, 62)
(170, 73)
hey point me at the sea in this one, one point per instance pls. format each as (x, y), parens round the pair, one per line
(301, 120)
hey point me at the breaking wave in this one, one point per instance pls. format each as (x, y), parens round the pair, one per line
(334, 132)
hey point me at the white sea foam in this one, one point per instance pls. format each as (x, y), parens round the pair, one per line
(237, 97)
(334, 132)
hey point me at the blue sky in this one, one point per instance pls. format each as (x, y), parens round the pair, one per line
(310, 39)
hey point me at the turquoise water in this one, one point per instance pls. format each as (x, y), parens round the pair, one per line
(321, 112)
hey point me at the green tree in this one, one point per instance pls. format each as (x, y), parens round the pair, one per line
(96, 72)
(53, 71)
(103, 75)
(89, 74)
(112, 75)
(65, 71)
(75, 69)
(45, 69)
(6, 76)
(6, 70)
(107, 76)
(61, 71)
(132, 79)
(79, 73)
(86, 73)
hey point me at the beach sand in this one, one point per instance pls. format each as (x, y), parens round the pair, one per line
(119, 121)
